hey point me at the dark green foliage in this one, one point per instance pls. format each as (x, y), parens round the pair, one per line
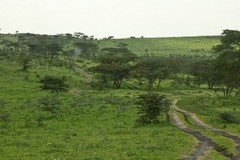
(20, 54)
(182, 81)
(148, 69)
(151, 106)
(53, 49)
(54, 84)
(5, 117)
(230, 117)
(28, 121)
(116, 73)
(114, 65)
(48, 104)
(2, 104)
(88, 49)
(228, 61)
(155, 70)
(24, 60)
(39, 120)
(204, 72)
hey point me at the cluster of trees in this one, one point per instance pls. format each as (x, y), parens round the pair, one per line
(113, 66)
(116, 65)
(221, 72)
(46, 50)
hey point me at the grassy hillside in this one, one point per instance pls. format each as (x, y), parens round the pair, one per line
(85, 126)
(101, 124)
(166, 46)
(200, 45)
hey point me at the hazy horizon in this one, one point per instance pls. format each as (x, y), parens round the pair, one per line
(120, 18)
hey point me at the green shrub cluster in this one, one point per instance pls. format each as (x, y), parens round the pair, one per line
(230, 117)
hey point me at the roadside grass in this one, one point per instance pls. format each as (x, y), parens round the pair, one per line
(213, 155)
(221, 141)
(209, 108)
(87, 125)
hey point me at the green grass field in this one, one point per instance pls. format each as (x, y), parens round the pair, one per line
(166, 46)
(101, 124)
(86, 126)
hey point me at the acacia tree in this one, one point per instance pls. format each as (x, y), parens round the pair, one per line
(204, 72)
(114, 65)
(53, 49)
(88, 49)
(228, 61)
(151, 106)
(23, 56)
(19, 53)
(49, 104)
(152, 69)
(37, 49)
(54, 84)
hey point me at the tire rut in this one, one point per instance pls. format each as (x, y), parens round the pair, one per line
(204, 145)
(201, 124)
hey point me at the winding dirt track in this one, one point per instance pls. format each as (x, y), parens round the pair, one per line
(205, 144)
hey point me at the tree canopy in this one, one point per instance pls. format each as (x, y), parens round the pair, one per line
(228, 61)
(54, 84)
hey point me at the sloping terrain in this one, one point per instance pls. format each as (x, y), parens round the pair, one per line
(166, 46)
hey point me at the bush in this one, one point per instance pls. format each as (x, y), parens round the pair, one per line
(5, 117)
(230, 117)
(54, 84)
(151, 106)
(49, 104)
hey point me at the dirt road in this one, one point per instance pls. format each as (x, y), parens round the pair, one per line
(205, 144)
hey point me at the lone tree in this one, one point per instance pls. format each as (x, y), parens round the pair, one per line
(151, 106)
(49, 104)
(54, 84)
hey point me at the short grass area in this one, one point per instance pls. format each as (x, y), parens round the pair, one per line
(166, 46)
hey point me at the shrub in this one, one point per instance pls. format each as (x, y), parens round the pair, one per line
(151, 105)
(5, 117)
(230, 117)
(54, 84)
(49, 104)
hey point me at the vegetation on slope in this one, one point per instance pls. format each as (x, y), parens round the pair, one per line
(96, 117)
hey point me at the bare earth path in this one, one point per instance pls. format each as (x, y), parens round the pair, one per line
(204, 143)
